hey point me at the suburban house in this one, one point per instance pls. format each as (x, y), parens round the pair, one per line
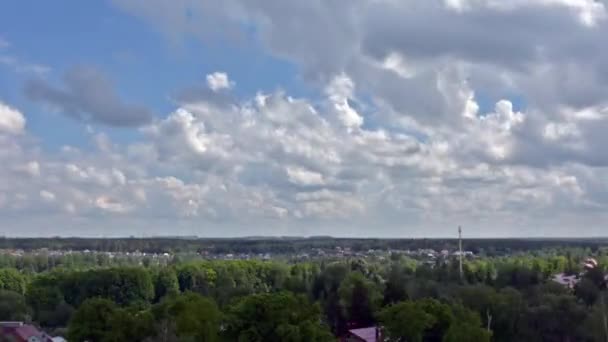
(568, 281)
(369, 334)
(21, 332)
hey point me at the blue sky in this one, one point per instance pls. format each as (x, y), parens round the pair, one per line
(144, 66)
(254, 117)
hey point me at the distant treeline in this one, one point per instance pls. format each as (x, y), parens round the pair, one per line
(290, 245)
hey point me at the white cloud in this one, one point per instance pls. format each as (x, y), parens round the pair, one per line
(423, 114)
(47, 196)
(339, 91)
(110, 204)
(396, 63)
(119, 176)
(557, 131)
(75, 173)
(11, 120)
(218, 81)
(399, 56)
(32, 168)
(304, 177)
(588, 11)
(284, 161)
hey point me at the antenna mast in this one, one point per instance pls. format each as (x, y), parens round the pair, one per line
(460, 250)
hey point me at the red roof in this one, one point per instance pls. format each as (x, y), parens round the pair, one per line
(366, 334)
(22, 331)
(26, 331)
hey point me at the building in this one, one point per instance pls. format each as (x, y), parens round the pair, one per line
(369, 334)
(568, 281)
(20, 332)
(571, 280)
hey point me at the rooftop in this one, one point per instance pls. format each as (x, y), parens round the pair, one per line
(366, 334)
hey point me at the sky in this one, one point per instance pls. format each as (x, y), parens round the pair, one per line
(362, 118)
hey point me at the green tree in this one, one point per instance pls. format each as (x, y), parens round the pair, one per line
(466, 327)
(595, 326)
(92, 321)
(466, 332)
(59, 316)
(276, 276)
(13, 306)
(274, 317)
(122, 285)
(587, 291)
(596, 276)
(188, 316)
(442, 313)
(300, 278)
(518, 275)
(196, 278)
(509, 308)
(130, 324)
(481, 299)
(553, 318)
(325, 288)
(360, 298)
(165, 284)
(395, 289)
(12, 280)
(406, 321)
(44, 296)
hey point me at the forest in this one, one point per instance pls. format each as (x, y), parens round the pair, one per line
(497, 297)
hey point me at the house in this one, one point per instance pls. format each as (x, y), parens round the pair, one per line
(369, 334)
(20, 332)
(568, 281)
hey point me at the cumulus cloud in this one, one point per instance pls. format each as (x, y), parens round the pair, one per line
(88, 96)
(11, 120)
(488, 113)
(340, 90)
(111, 204)
(397, 53)
(47, 196)
(31, 168)
(274, 160)
(304, 177)
(218, 81)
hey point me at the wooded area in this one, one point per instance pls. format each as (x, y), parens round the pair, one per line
(499, 298)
